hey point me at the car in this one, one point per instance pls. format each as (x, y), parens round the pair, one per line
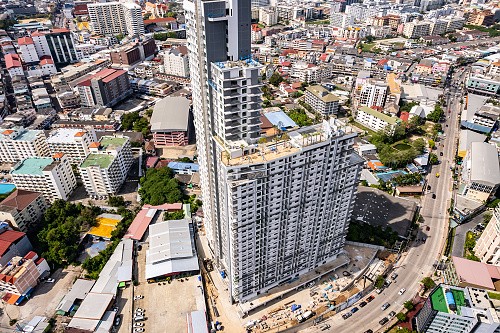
(387, 283)
(50, 280)
(115, 309)
(118, 320)
(385, 306)
(138, 324)
(139, 310)
(362, 304)
(138, 297)
(379, 291)
(433, 195)
(368, 331)
(392, 314)
(354, 310)
(370, 298)
(383, 321)
(139, 318)
(402, 291)
(441, 154)
(346, 315)
(139, 329)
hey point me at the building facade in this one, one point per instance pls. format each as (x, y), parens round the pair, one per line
(105, 169)
(105, 88)
(375, 120)
(113, 18)
(73, 142)
(23, 209)
(488, 245)
(53, 177)
(18, 144)
(373, 94)
(176, 62)
(264, 224)
(321, 100)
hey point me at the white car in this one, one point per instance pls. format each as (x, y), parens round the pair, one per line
(50, 280)
(138, 324)
(402, 291)
(139, 329)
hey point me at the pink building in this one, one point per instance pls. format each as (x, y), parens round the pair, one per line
(171, 122)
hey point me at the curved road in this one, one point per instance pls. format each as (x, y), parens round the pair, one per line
(417, 262)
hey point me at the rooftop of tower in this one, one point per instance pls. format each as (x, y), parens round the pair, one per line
(284, 144)
(247, 62)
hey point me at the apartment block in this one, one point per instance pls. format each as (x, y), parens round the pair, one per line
(488, 245)
(105, 169)
(132, 53)
(105, 88)
(321, 100)
(21, 276)
(23, 209)
(373, 94)
(417, 29)
(73, 142)
(113, 18)
(276, 211)
(18, 143)
(57, 43)
(53, 177)
(176, 62)
(480, 172)
(27, 50)
(454, 309)
(268, 16)
(376, 120)
(484, 85)
(171, 122)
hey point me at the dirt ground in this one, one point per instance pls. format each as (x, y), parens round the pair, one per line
(177, 152)
(44, 299)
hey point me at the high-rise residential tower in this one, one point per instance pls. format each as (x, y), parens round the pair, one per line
(274, 208)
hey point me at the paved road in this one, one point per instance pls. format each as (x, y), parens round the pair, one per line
(461, 231)
(417, 262)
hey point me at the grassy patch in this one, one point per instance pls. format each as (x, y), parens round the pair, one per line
(367, 47)
(402, 146)
(494, 295)
(364, 128)
(470, 243)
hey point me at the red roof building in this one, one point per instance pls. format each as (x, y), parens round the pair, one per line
(25, 41)
(12, 61)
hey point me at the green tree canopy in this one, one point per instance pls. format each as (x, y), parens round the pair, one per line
(159, 186)
(428, 283)
(275, 79)
(401, 316)
(409, 305)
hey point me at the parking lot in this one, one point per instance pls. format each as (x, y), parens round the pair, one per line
(165, 304)
(376, 207)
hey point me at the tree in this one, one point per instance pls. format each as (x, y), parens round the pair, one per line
(179, 215)
(275, 79)
(161, 36)
(403, 330)
(128, 120)
(419, 145)
(149, 112)
(159, 186)
(432, 144)
(147, 16)
(379, 282)
(300, 117)
(116, 201)
(401, 317)
(120, 37)
(409, 305)
(436, 115)
(171, 14)
(428, 283)
(369, 39)
(433, 159)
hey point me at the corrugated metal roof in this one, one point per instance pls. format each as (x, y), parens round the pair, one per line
(171, 114)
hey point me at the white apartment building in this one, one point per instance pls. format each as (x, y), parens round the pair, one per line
(18, 143)
(438, 27)
(73, 142)
(488, 245)
(27, 50)
(113, 18)
(23, 209)
(373, 93)
(417, 29)
(105, 169)
(341, 20)
(375, 120)
(53, 177)
(321, 100)
(362, 12)
(176, 62)
(268, 16)
(274, 211)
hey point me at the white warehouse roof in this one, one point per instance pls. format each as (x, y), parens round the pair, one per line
(171, 114)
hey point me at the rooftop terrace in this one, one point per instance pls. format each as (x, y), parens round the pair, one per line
(32, 166)
(449, 300)
(112, 142)
(103, 161)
